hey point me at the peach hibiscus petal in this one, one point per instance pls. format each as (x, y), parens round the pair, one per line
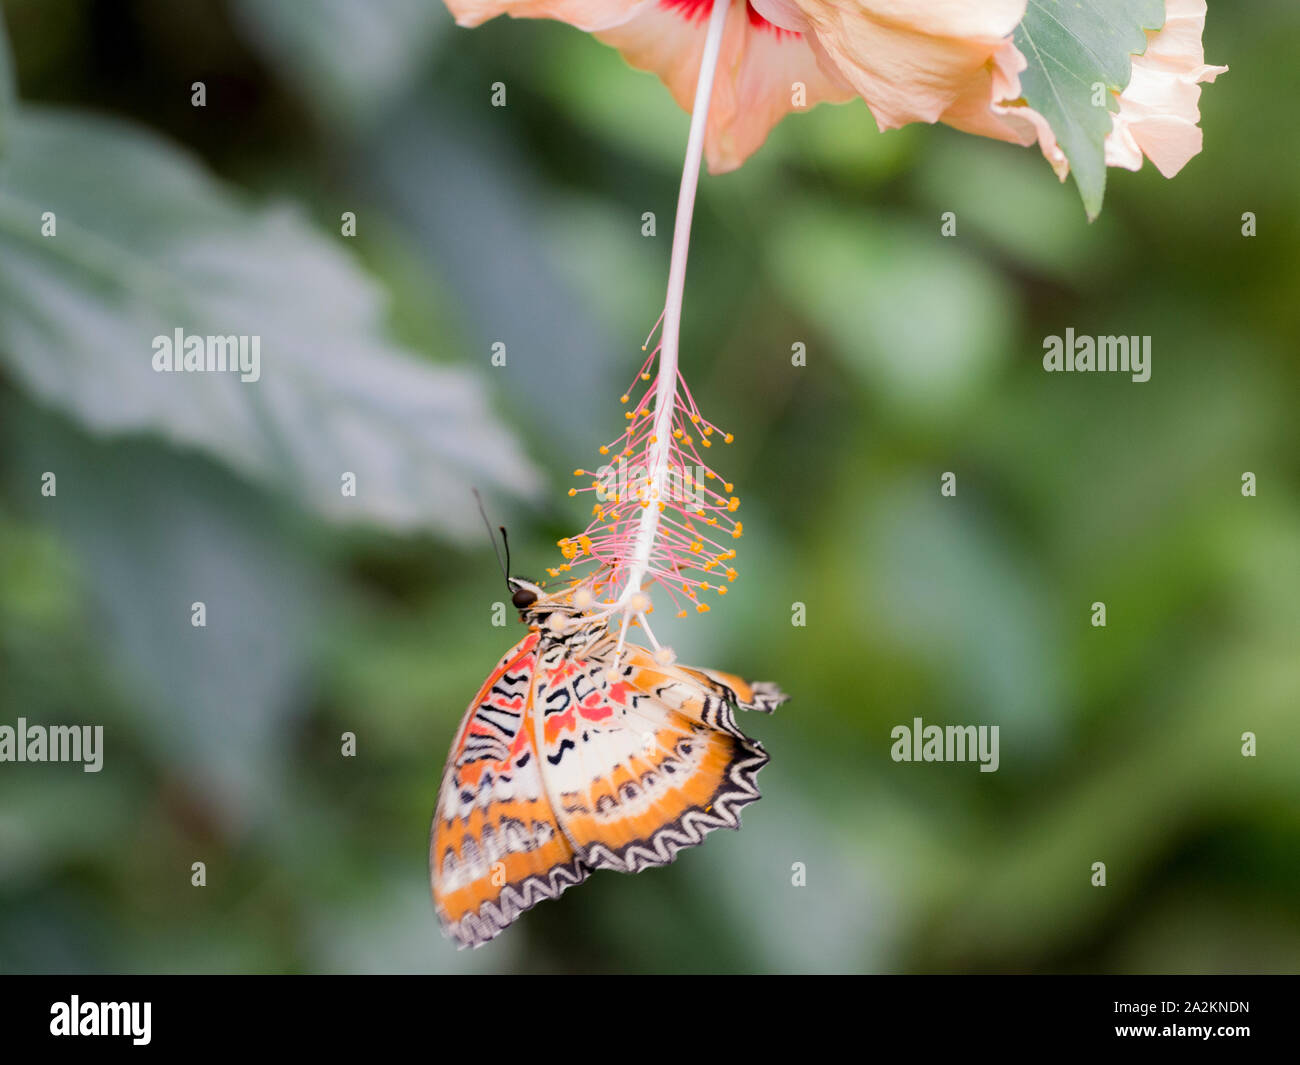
(977, 110)
(1008, 104)
(784, 14)
(1160, 107)
(760, 71)
(1158, 110)
(912, 61)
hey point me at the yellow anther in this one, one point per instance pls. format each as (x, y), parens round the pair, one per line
(728, 487)
(736, 532)
(604, 450)
(695, 419)
(624, 398)
(731, 574)
(661, 507)
(706, 441)
(552, 572)
(728, 439)
(702, 608)
(580, 473)
(678, 433)
(708, 430)
(644, 376)
(733, 503)
(696, 547)
(722, 590)
(681, 613)
(573, 491)
(629, 415)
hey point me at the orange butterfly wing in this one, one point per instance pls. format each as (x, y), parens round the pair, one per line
(558, 770)
(647, 764)
(496, 847)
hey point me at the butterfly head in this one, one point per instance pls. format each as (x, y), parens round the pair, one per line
(536, 606)
(524, 594)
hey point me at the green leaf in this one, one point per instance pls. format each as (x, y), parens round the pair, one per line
(152, 245)
(8, 90)
(154, 532)
(1072, 46)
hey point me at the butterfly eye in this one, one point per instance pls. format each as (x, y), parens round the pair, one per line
(523, 597)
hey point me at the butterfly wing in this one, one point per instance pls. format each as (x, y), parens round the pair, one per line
(760, 695)
(644, 765)
(496, 847)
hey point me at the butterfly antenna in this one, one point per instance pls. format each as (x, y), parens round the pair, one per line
(503, 563)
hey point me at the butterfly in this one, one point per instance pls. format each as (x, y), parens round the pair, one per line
(572, 759)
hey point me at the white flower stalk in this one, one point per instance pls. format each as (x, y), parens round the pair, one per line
(647, 528)
(666, 393)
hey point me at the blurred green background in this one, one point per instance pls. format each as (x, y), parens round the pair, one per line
(522, 225)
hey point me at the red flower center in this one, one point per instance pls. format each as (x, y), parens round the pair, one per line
(698, 10)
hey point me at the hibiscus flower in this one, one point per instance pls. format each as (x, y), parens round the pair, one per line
(950, 61)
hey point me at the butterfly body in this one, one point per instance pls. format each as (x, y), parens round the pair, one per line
(574, 757)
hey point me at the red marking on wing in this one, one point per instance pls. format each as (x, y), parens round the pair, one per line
(595, 707)
(560, 722)
(520, 658)
(493, 858)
